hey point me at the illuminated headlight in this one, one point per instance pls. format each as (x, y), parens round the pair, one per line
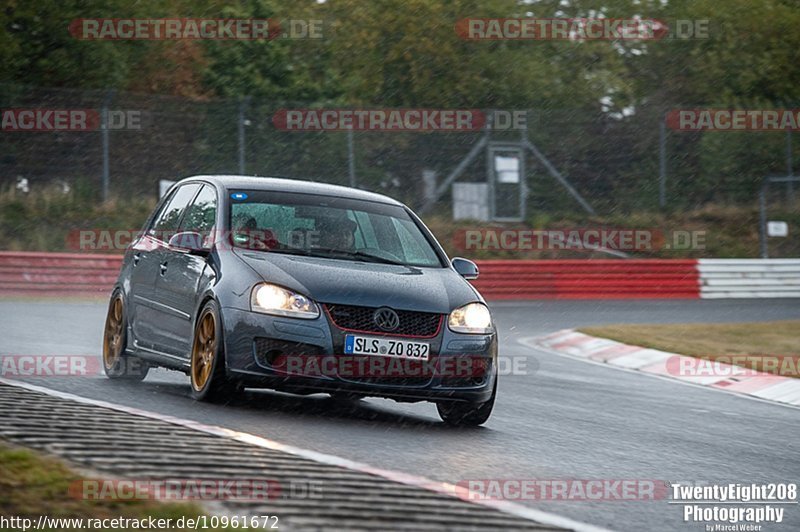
(473, 318)
(272, 299)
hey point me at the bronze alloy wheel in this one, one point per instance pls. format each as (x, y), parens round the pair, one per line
(204, 349)
(117, 363)
(113, 337)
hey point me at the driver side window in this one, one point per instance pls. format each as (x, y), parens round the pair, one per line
(201, 215)
(166, 222)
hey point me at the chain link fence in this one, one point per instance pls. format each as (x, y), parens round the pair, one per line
(618, 164)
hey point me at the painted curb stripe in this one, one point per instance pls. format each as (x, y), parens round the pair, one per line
(773, 388)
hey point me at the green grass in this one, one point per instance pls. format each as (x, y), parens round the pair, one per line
(43, 219)
(32, 485)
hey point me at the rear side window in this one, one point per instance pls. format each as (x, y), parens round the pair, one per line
(167, 220)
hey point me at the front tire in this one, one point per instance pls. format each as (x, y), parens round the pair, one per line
(467, 414)
(117, 364)
(207, 372)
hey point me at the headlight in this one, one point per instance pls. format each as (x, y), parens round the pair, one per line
(272, 299)
(473, 318)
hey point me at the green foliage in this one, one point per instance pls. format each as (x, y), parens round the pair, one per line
(406, 53)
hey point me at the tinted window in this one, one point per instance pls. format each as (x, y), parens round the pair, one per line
(170, 216)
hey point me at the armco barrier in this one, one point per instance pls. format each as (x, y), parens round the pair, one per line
(587, 279)
(740, 278)
(63, 274)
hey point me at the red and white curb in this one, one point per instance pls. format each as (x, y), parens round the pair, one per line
(775, 388)
(443, 488)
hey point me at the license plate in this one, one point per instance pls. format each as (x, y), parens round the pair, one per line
(368, 345)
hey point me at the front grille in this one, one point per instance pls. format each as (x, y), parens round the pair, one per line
(354, 318)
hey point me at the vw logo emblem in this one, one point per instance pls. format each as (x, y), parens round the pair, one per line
(386, 319)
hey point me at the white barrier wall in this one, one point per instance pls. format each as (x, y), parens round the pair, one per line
(743, 278)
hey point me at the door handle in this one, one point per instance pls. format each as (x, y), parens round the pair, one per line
(136, 257)
(163, 268)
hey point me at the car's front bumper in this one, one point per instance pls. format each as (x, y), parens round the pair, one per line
(461, 367)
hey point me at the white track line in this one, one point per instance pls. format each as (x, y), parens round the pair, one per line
(443, 488)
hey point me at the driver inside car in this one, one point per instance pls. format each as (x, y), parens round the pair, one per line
(246, 232)
(336, 233)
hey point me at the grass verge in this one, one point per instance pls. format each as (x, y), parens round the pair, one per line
(764, 341)
(32, 485)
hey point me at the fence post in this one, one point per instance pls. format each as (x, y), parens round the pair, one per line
(662, 162)
(241, 123)
(789, 170)
(351, 161)
(105, 140)
(762, 219)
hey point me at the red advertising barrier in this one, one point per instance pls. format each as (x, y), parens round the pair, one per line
(78, 274)
(57, 274)
(588, 279)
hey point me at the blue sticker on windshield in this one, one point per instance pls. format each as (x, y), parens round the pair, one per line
(239, 196)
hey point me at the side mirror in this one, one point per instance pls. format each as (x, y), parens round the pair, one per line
(466, 268)
(188, 241)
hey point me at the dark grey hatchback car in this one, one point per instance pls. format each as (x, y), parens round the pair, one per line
(301, 287)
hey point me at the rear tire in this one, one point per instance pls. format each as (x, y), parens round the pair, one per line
(467, 414)
(118, 364)
(207, 371)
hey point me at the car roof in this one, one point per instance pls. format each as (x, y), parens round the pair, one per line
(291, 185)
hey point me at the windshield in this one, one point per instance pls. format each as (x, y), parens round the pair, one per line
(327, 226)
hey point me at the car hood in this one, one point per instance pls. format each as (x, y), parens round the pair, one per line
(366, 284)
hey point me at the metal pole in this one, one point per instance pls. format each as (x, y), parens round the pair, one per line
(762, 220)
(789, 170)
(662, 163)
(242, 104)
(351, 161)
(523, 134)
(104, 135)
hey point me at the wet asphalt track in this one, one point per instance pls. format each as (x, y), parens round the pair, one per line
(563, 419)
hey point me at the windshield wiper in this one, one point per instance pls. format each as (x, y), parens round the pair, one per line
(336, 252)
(369, 257)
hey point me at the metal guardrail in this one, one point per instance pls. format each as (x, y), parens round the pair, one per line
(749, 278)
(92, 275)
